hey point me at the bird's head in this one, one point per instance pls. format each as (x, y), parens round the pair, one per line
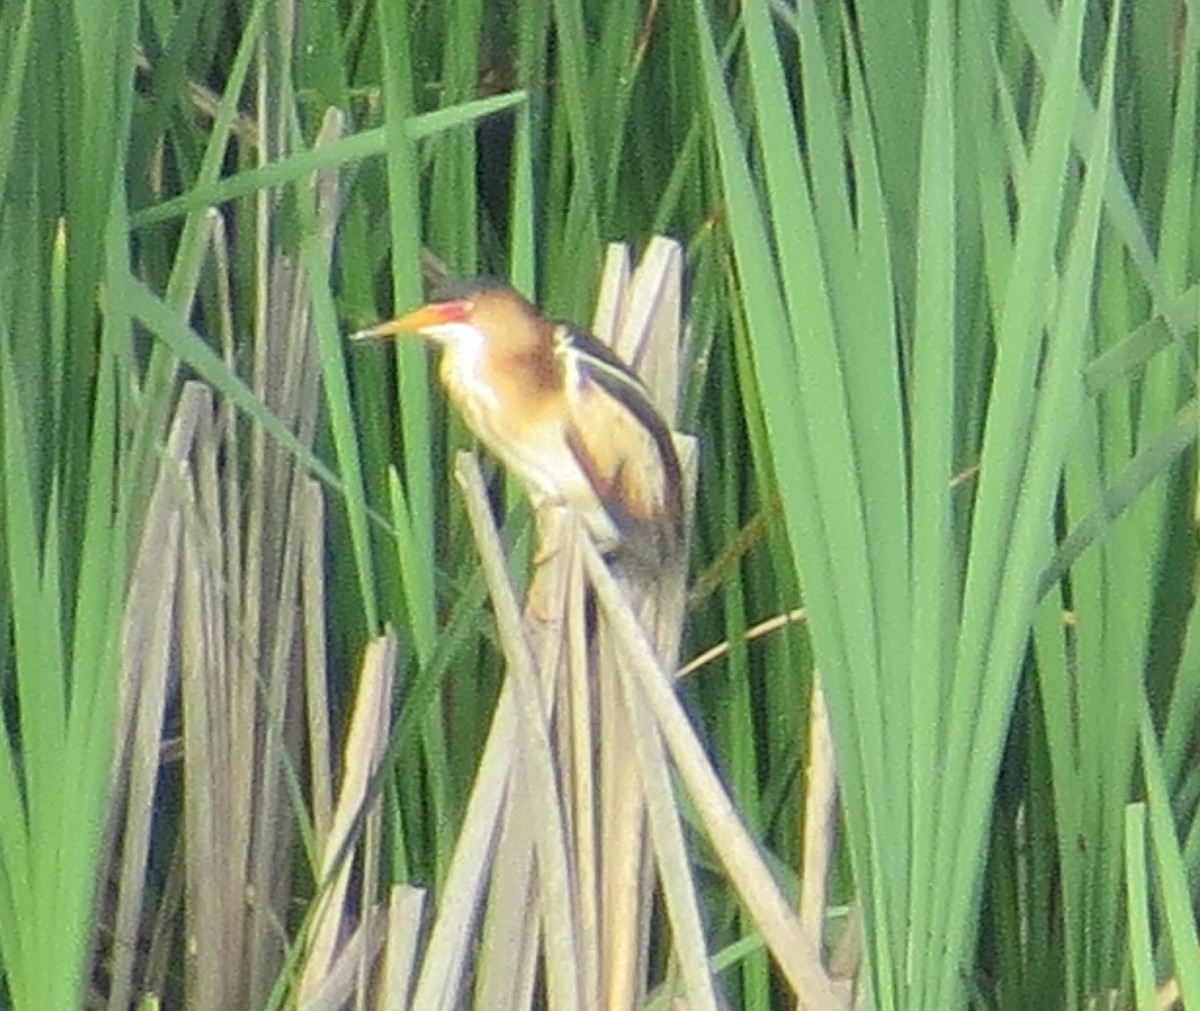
(479, 313)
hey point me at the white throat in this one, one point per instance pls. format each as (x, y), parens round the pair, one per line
(462, 361)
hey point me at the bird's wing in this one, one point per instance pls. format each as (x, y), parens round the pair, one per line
(622, 444)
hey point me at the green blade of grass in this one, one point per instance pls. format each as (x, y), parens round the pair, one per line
(776, 366)
(365, 144)
(1171, 875)
(1141, 948)
(1049, 411)
(932, 400)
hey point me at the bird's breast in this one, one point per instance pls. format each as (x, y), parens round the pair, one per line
(523, 422)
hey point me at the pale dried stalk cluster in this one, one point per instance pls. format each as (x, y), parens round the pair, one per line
(572, 825)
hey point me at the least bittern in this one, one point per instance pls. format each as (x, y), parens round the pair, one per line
(562, 412)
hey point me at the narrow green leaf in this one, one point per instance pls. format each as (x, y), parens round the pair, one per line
(366, 144)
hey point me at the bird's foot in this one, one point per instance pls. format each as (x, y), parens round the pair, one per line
(549, 521)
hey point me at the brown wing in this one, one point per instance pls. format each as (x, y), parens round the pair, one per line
(624, 448)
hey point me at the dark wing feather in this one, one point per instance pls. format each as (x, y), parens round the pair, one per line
(653, 538)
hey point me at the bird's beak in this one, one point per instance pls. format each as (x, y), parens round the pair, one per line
(419, 320)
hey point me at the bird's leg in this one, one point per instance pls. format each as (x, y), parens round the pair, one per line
(548, 521)
(551, 520)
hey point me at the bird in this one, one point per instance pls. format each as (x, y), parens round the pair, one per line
(561, 412)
